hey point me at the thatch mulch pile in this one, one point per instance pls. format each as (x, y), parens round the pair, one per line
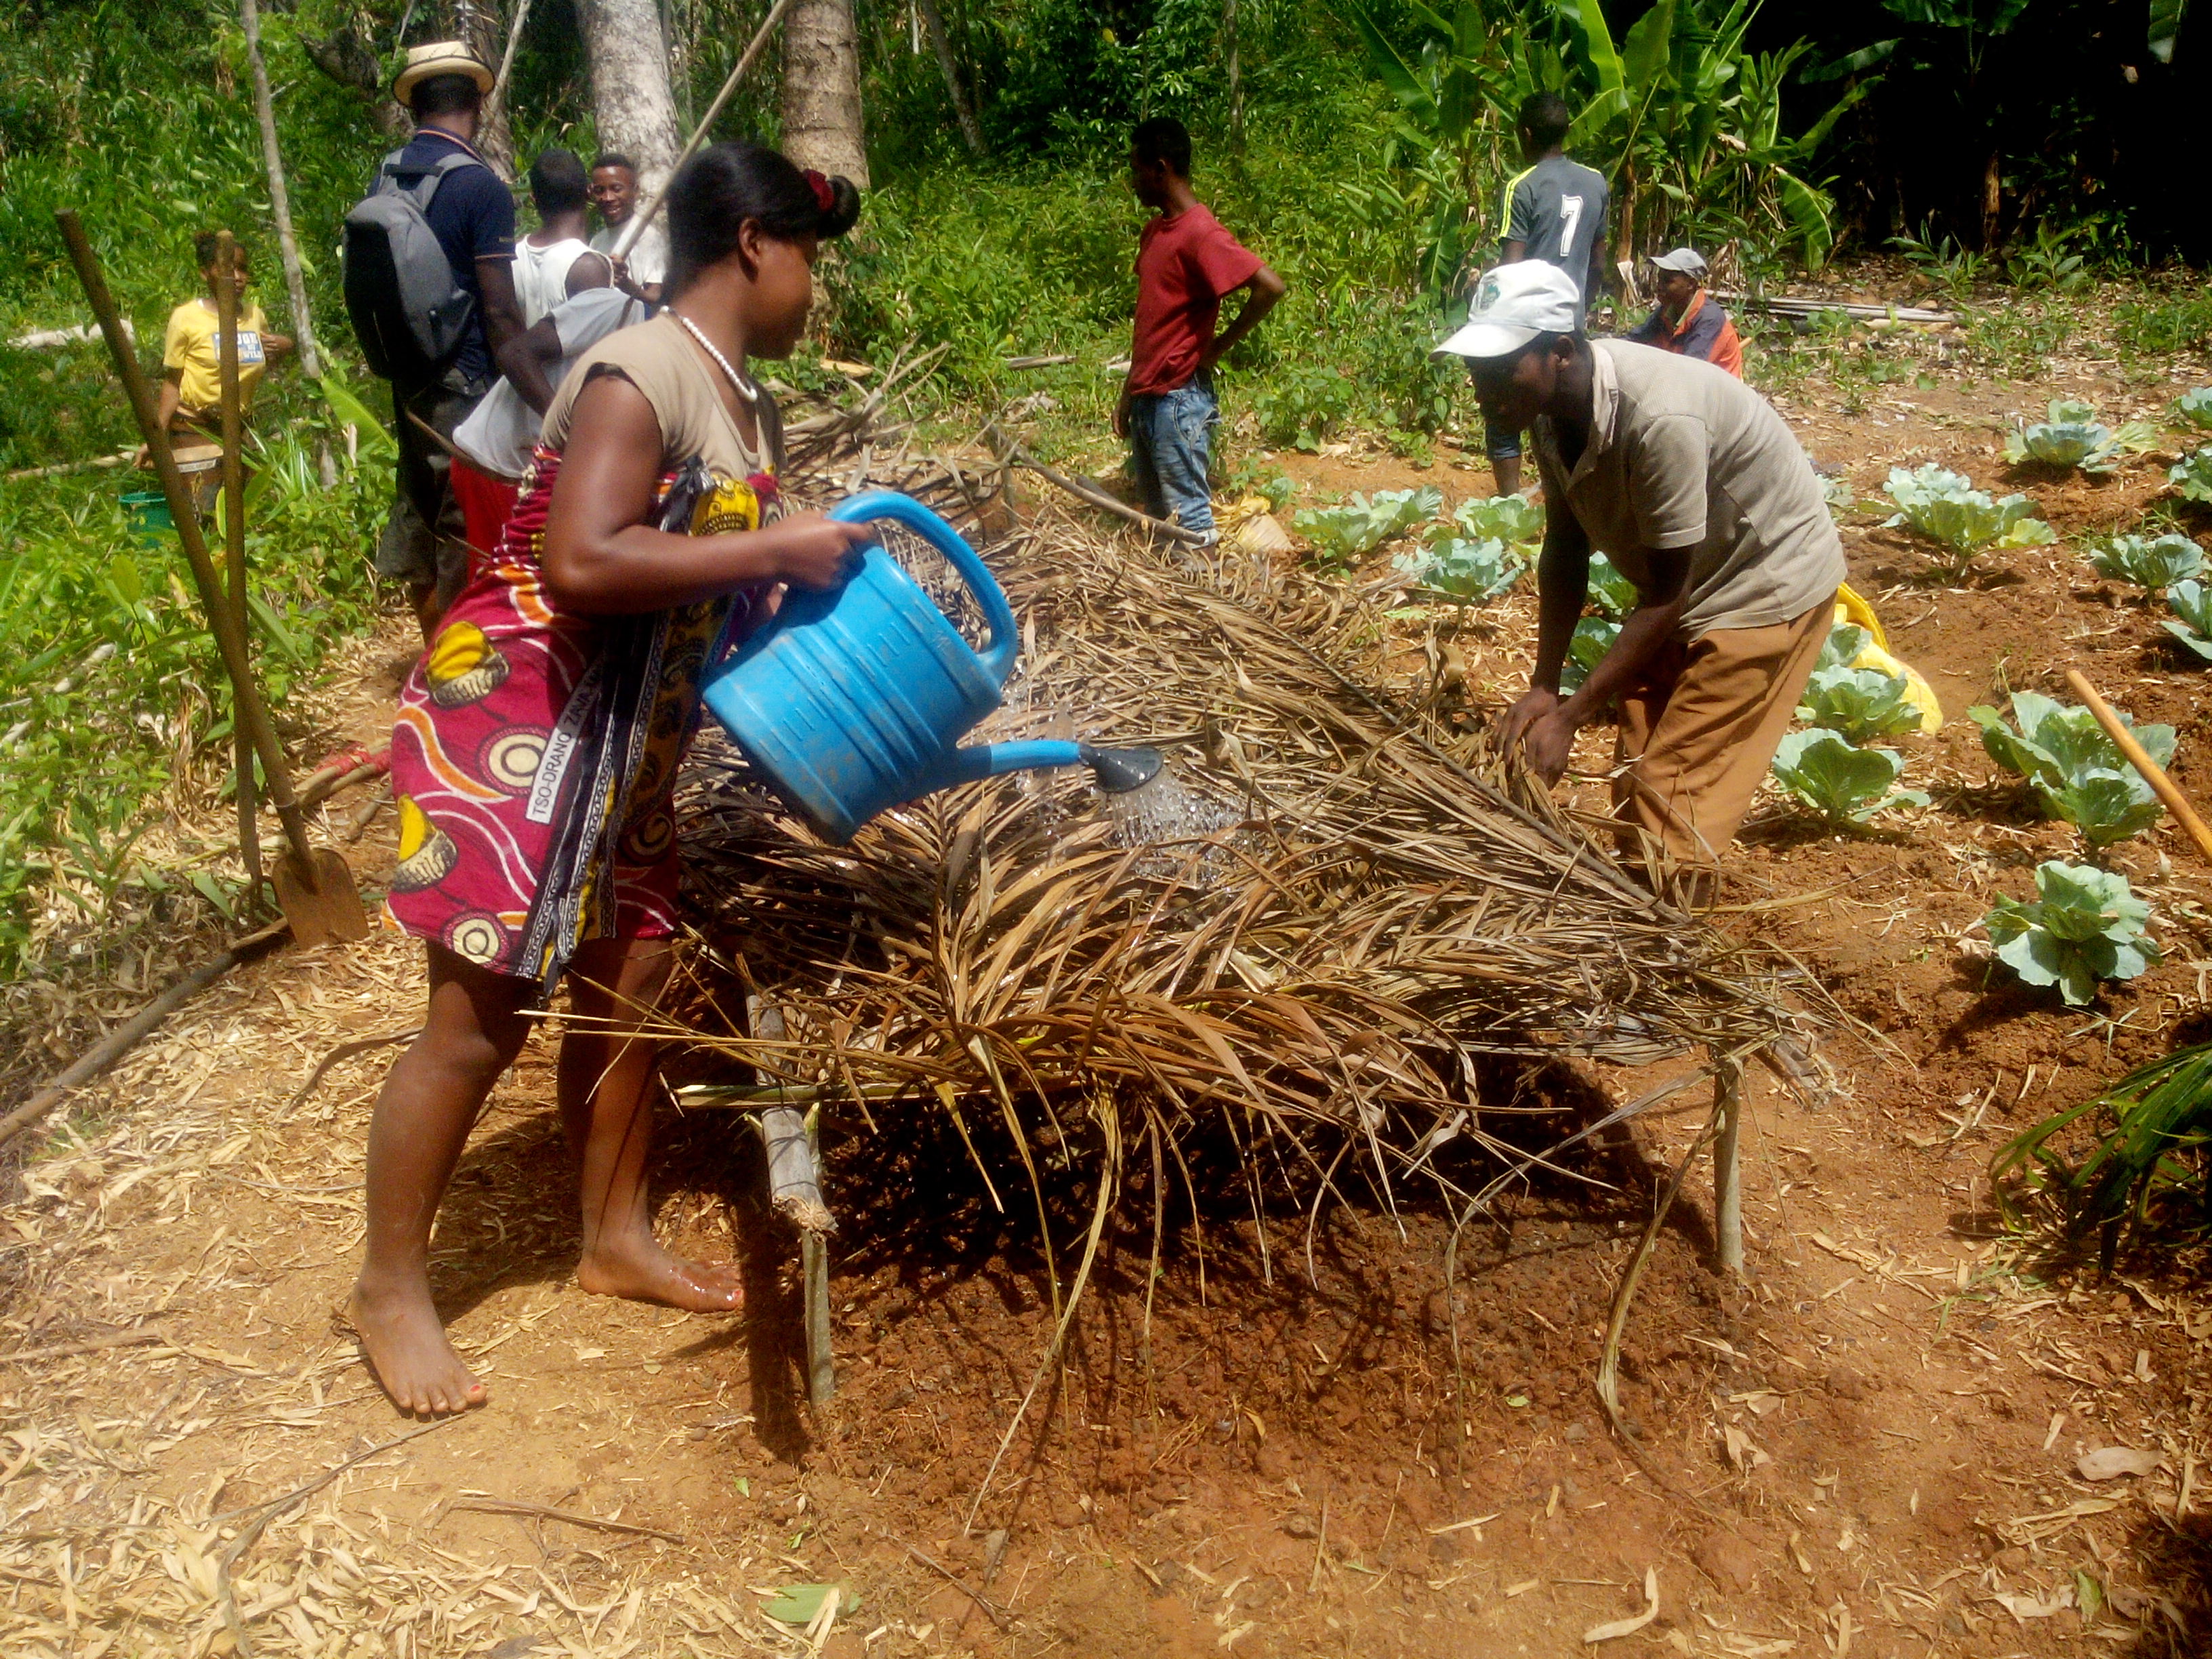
(1323, 922)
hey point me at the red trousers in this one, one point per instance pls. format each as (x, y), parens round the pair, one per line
(486, 504)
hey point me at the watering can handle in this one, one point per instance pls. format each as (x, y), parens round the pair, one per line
(1005, 636)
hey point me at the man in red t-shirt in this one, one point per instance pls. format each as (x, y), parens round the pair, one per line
(1185, 262)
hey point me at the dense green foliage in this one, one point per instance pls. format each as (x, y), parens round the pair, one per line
(2144, 1165)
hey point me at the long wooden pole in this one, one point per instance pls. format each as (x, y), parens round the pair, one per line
(280, 198)
(644, 216)
(233, 537)
(248, 704)
(2153, 773)
(498, 97)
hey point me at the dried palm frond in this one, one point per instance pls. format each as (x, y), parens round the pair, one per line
(1316, 928)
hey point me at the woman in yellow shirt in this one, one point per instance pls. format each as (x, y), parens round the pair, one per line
(192, 378)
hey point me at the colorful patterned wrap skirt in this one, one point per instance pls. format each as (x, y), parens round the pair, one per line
(535, 758)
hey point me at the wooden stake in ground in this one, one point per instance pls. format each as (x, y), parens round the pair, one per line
(233, 542)
(280, 198)
(1728, 1168)
(2153, 773)
(315, 889)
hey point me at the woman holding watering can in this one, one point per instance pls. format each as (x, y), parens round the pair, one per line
(539, 736)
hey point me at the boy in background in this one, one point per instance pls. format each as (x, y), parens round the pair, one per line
(191, 365)
(644, 269)
(1186, 263)
(1554, 211)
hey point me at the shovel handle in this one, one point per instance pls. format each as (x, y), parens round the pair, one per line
(229, 638)
(2153, 773)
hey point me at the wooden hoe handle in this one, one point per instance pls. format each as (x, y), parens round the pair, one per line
(2154, 773)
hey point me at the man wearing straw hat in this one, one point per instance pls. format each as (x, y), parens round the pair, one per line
(1689, 482)
(472, 213)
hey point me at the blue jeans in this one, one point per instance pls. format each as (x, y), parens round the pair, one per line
(1168, 435)
(1501, 445)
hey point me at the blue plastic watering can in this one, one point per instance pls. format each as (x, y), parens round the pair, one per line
(854, 700)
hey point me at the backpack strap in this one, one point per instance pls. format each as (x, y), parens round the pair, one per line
(426, 181)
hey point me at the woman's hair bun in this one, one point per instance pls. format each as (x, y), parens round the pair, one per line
(843, 210)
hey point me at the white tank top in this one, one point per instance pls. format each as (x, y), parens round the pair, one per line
(541, 274)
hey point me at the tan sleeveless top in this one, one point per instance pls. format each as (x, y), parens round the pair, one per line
(659, 358)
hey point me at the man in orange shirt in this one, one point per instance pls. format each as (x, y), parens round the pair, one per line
(1686, 321)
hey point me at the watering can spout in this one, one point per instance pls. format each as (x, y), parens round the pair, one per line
(1115, 770)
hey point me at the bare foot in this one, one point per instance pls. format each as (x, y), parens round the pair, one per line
(636, 1267)
(407, 1349)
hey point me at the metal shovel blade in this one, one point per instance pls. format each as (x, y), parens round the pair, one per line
(328, 911)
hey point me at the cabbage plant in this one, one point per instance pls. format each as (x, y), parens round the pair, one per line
(1342, 535)
(2193, 605)
(1944, 506)
(1470, 572)
(2195, 407)
(1612, 593)
(1513, 520)
(2148, 561)
(1593, 637)
(1844, 785)
(1859, 704)
(2072, 437)
(1845, 642)
(2084, 925)
(2078, 773)
(2192, 475)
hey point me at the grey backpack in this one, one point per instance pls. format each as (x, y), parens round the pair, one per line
(409, 314)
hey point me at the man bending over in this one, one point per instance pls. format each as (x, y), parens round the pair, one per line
(1689, 482)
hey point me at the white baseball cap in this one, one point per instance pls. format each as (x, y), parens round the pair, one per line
(1513, 304)
(1685, 261)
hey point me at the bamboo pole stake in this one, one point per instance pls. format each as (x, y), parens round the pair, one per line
(644, 216)
(498, 97)
(280, 198)
(2153, 773)
(250, 706)
(233, 539)
(1728, 1166)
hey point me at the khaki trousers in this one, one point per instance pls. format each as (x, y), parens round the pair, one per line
(1699, 729)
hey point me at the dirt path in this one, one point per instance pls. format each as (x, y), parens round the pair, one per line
(1296, 1440)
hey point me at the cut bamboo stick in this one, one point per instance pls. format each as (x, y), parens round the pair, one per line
(2153, 773)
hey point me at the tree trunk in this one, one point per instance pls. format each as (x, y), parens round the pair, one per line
(280, 198)
(941, 43)
(822, 90)
(631, 101)
(1236, 76)
(476, 24)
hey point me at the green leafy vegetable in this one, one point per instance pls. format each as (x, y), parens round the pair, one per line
(2078, 773)
(1846, 785)
(1514, 519)
(1342, 535)
(2192, 475)
(2085, 925)
(1946, 508)
(2196, 407)
(2072, 437)
(1859, 704)
(801, 1604)
(1610, 590)
(1845, 641)
(1473, 573)
(1592, 638)
(2148, 561)
(2193, 605)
